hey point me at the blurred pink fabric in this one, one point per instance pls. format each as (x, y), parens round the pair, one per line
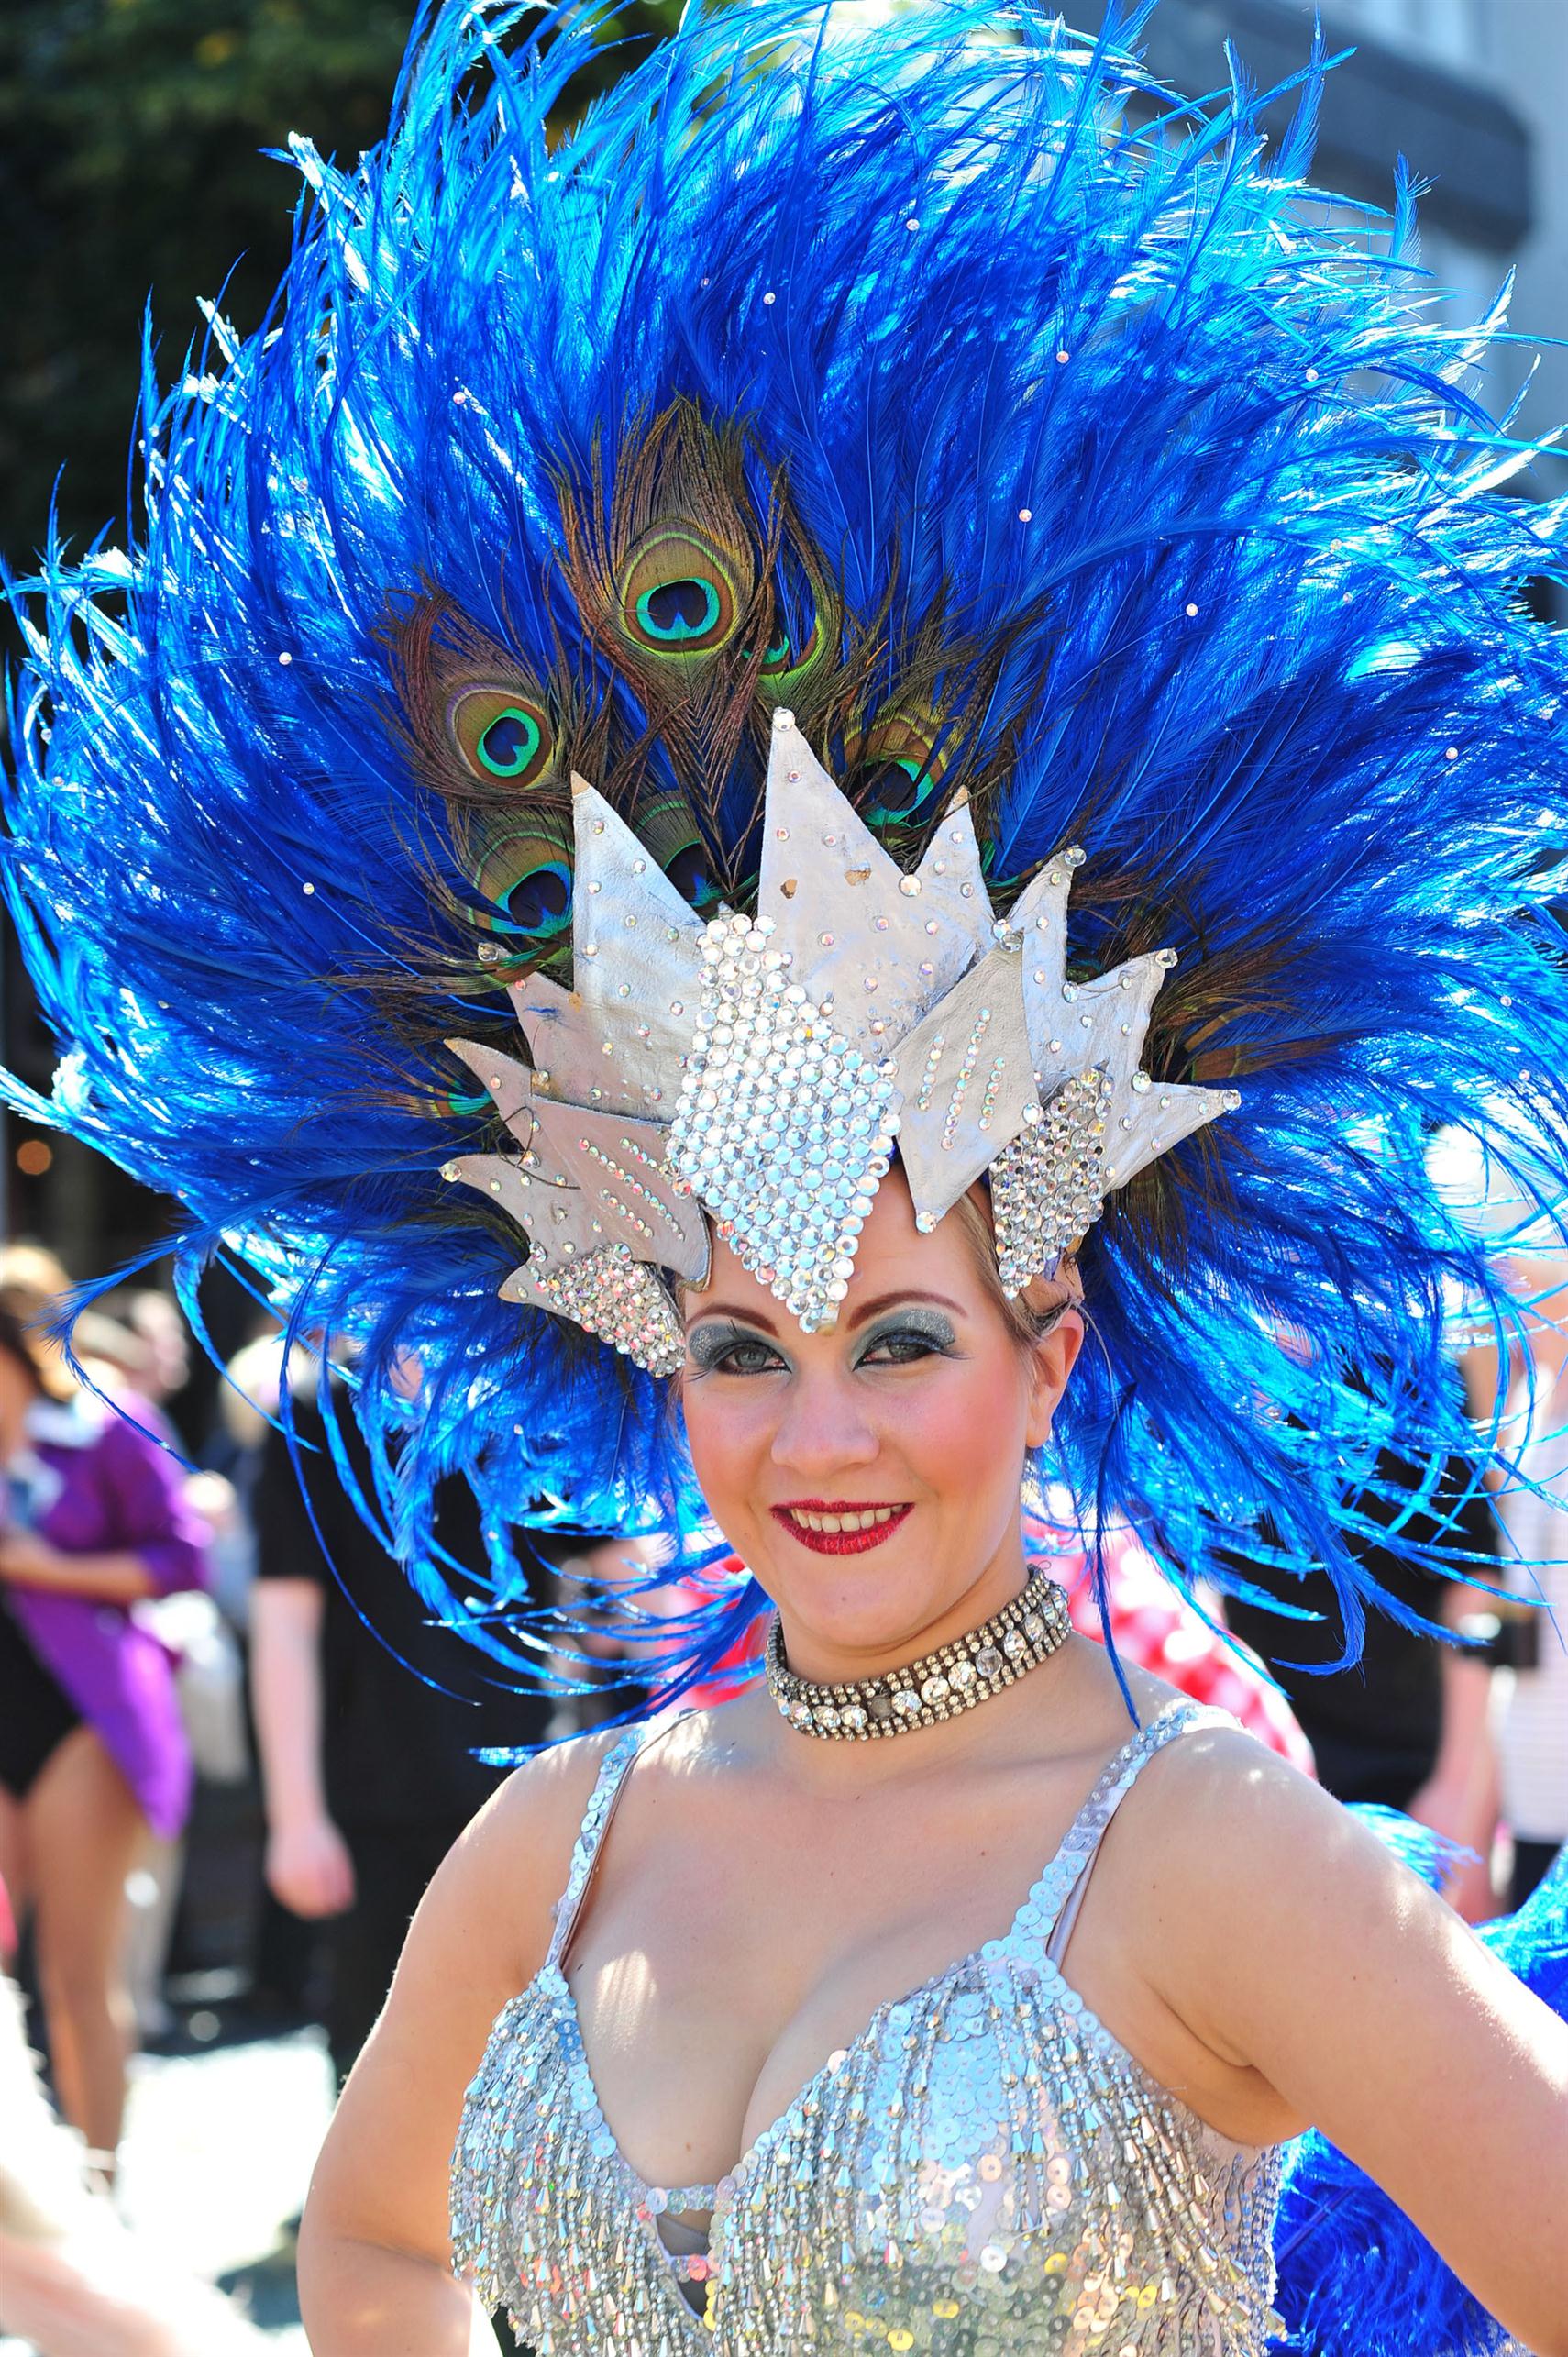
(1152, 1626)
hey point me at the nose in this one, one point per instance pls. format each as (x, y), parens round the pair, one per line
(823, 1429)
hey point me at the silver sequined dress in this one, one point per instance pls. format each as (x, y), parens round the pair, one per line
(983, 2171)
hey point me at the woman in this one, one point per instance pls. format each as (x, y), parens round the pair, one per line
(560, 844)
(1532, 1733)
(737, 2018)
(1532, 1501)
(93, 1755)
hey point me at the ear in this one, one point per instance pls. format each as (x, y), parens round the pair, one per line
(1051, 1361)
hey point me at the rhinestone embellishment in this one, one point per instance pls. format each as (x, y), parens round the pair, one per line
(751, 1076)
(621, 1301)
(783, 1128)
(940, 1686)
(1048, 1186)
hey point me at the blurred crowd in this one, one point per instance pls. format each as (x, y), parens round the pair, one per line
(235, 1744)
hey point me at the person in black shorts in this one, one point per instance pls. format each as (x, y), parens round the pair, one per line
(35, 1712)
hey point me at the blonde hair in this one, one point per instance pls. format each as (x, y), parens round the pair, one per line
(33, 1283)
(1030, 1313)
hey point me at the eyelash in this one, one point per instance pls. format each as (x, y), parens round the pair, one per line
(926, 1346)
(724, 1360)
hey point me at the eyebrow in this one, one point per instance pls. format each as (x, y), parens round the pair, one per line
(733, 1310)
(867, 1309)
(889, 1301)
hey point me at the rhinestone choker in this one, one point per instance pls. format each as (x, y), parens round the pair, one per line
(937, 1687)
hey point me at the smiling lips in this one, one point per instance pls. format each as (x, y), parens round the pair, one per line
(830, 1529)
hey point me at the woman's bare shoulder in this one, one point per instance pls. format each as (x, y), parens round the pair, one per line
(1219, 1765)
(541, 1803)
(1229, 1835)
(517, 1850)
(1217, 1791)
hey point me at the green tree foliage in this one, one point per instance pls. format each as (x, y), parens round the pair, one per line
(131, 168)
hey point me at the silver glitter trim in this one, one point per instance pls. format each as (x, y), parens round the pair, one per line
(618, 1300)
(783, 1128)
(1048, 1186)
(981, 2167)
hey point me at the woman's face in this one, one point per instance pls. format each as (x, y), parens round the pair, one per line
(870, 1475)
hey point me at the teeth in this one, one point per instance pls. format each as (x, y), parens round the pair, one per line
(866, 1521)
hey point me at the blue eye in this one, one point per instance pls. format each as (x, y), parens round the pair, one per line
(511, 743)
(541, 901)
(678, 596)
(688, 871)
(678, 610)
(891, 772)
(730, 1350)
(503, 736)
(913, 1334)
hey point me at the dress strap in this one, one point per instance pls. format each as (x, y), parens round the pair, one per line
(613, 1770)
(1051, 1911)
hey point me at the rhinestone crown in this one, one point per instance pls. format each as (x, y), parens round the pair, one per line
(761, 1069)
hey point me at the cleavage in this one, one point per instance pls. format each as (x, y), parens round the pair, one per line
(613, 1998)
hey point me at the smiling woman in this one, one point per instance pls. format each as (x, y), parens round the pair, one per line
(802, 804)
(843, 1465)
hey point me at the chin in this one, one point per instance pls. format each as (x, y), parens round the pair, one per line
(871, 1603)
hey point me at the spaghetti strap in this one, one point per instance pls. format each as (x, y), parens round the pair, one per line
(1051, 1911)
(613, 1770)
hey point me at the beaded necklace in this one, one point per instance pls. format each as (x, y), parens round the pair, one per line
(939, 1686)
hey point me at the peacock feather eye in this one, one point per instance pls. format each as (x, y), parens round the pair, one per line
(805, 631)
(891, 772)
(503, 736)
(787, 658)
(525, 877)
(679, 594)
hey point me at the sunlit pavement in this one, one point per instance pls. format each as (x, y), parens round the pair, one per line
(219, 2150)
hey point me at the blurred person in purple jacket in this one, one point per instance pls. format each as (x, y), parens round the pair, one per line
(93, 1755)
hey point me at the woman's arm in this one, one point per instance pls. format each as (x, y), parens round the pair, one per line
(1291, 1942)
(27, 1561)
(161, 1544)
(308, 1865)
(374, 2255)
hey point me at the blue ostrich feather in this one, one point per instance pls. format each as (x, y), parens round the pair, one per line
(1160, 489)
(1356, 2278)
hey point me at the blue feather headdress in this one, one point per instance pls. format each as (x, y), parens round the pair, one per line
(1032, 434)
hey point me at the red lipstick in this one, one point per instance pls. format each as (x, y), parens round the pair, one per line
(854, 1541)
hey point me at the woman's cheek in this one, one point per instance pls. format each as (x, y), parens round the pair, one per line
(986, 1404)
(726, 1439)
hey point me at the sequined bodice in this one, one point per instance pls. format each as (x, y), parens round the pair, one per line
(983, 2171)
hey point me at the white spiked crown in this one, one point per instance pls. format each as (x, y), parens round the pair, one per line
(760, 1070)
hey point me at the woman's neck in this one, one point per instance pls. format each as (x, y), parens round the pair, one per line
(814, 1654)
